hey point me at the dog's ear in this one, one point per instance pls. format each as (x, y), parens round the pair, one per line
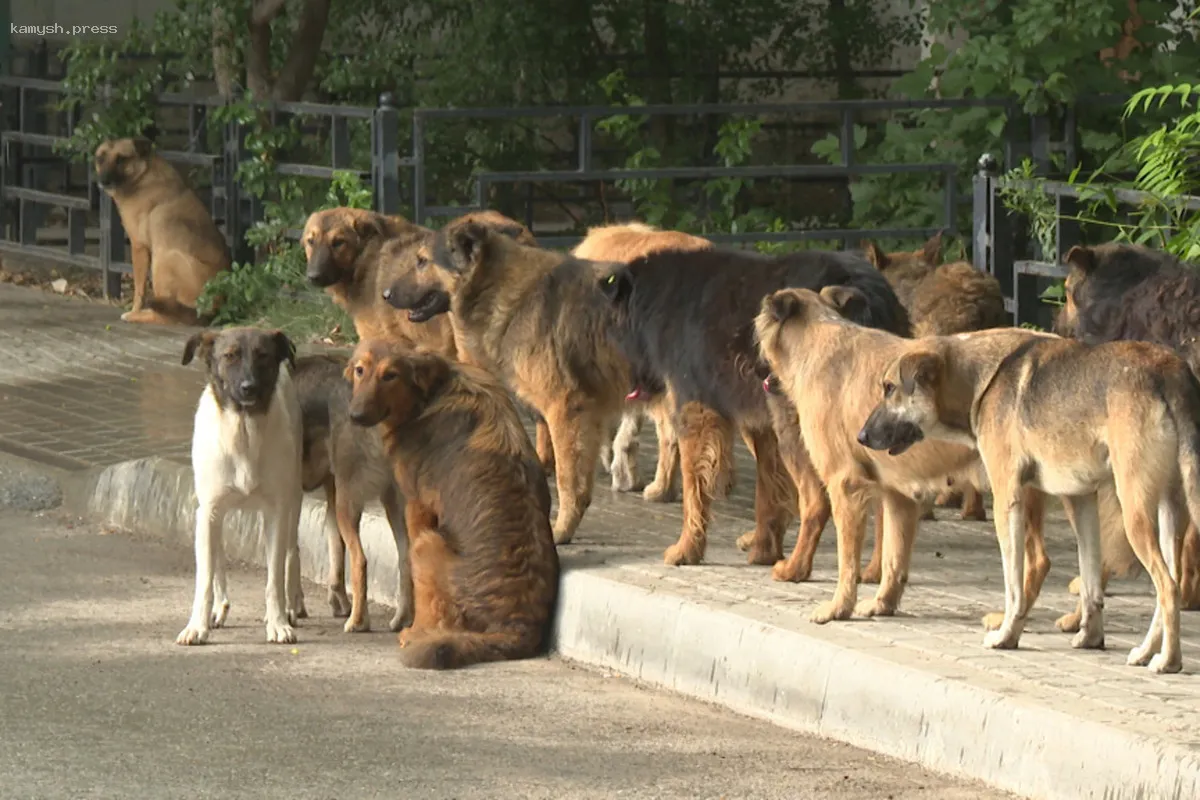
(142, 146)
(464, 246)
(368, 226)
(1081, 258)
(348, 372)
(284, 349)
(931, 253)
(922, 368)
(428, 371)
(875, 255)
(617, 286)
(199, 344)
(784, 305)
(846, 300)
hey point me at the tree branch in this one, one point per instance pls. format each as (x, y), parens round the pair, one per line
(301, 62)
(258, 59)
(224, 68)
(264, 12)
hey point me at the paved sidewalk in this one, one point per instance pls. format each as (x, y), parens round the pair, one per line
(82, 389)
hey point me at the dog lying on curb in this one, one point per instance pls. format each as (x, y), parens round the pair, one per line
(484, 566)
(687, 319)
(534, 319)
(246, 444)
(1136, 407)
(1121, 291)
(348, 462)
(622, 244)
(817, 354)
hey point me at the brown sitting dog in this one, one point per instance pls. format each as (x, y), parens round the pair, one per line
(484, 566)
(174, 239)
(943, 299)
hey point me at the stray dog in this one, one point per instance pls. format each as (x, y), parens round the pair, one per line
(687, 320)
(246, 446)
(817, 354)
(348, 462)
(484, 566)
(624, 243)
(943, 299)
(534, 319)
(1122, 291)
(174, 239)
(1135, 407)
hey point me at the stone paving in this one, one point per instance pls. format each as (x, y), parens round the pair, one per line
(80, 388)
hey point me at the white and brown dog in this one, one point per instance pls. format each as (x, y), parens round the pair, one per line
(246, 453)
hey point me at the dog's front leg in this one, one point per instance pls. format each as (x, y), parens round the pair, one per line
(575, 434)
(339, 603)
(900, 515)
(849, 499)
(662, 488)
(141, 271)
(393, 506)
(208, 541)
(220, 589)
(813, 505)
(1010, 532)
(1084, 516)
(774, 499)
(280, 524)
(623, 464)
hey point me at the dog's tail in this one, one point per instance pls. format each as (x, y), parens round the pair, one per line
(455, 649)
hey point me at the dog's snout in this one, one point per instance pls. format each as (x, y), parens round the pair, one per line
(863, 437)
(247, 386)
(387, 294)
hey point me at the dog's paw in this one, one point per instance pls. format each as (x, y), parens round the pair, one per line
(192, 635)
(219, 614)
(658, 493)
(563, 534)
(339, 602)
(300, 610)
(400, 620)
(1139, 656)
(1163, 665)
(831, 610)
(357, 625)
(874, 607)
(745, 541)
(677, 556)
(1001, 640)
(280, 633)
(1069, 623)
(1073, 586)
(783, 571)
(624, 476)
(1085, 640)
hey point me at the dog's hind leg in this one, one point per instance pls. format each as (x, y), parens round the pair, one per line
(339, 603)
(900, 515)
(972, 504)
(1189, 569)
(544, 445)
(294, 587)
(280, 524)
(393, 506)
(208, 541)
(1037, 563)
(623, 458)
(220, 590)
(813, 506)
(1010, 532)
(662, 489)
(705, 456)
(1084, 514)
(575, 433)
(774, 499)
(349, 516)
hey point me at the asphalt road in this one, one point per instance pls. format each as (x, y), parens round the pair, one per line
(97, 701)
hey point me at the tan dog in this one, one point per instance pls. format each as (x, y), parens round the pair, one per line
(174, 240)
(484, 567)
(1135, 407)
(817, 355)
(943, 299)
(534, 318)
(624, 243)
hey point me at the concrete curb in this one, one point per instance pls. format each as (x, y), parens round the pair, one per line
(713, 654)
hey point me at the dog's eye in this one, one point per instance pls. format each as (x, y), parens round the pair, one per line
(339, 244)
(888, 388)
(390, 376)
(358, 371)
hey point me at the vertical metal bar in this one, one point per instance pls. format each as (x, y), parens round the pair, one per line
(76, 231)
(981, 195)
(112, 247)
(1039, 143)
(386, 156)
(950, 207)
(481, 193)
(1071, 138)
(847, 146)
(585, 143)
(340, 142)
(418, 144)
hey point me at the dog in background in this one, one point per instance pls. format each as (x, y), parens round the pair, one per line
(622, 244)
(348, 462)
(534, 319)
(687, 320)
(484, 566)
(816, 353)
(1117, 292)
(943, 299)
(1137, 426)
(173, 237)
(246, 448)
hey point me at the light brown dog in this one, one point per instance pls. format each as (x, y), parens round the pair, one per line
(943, 299)
(174, 240)
(624, 243)
(536, 319)
(1135, 409)
(817, 355)
(484, 566)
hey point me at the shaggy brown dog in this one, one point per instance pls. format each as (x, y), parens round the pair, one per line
(484, 566)
(535, 319)
(624, 243)
(816, 354)
(943, 299)
(174, 239)
(1119, 292)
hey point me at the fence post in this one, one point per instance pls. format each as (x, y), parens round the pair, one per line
(418, 173)
(847, 147)
(385, 160)
(112, 246)
(981, 197)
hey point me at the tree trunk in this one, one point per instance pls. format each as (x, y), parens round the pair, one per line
(840, 27)
(224, 68)
(301, 62)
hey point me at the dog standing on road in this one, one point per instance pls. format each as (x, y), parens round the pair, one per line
(246, 449)
(174, 239)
